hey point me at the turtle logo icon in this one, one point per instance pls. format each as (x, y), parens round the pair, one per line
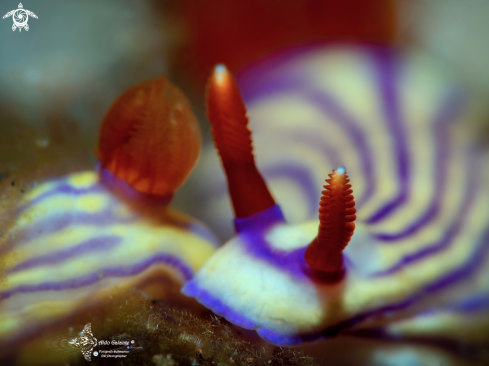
(20, 17)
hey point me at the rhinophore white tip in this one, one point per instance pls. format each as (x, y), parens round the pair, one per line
(220, 71)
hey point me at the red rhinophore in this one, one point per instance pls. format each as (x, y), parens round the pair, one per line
(336, 225)
(150, 138)
(227, 114)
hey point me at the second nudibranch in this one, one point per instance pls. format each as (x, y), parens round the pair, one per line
(297, 283)
(80, 238)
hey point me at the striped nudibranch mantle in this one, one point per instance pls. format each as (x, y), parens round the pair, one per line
(417, 264)
(80, 238)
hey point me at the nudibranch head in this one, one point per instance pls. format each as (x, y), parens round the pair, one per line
(249, 193)
(268, 253)
(419, 249)
(150, 138)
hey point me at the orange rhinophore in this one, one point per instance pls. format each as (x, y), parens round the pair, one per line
(336, 225)
(227, 114)
(150, 138)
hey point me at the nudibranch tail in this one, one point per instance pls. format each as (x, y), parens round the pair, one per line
(227, 114)
(336, 224)
(150, 138)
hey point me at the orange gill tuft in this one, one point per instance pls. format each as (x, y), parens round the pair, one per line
(150, 138)
(336, 225)
(227, 115)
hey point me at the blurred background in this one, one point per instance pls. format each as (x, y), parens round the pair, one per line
(59, 78)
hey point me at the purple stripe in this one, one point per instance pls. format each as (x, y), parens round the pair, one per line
(303, 175)
(255, 87)
(471, 304)
(386, 66)
(314, 142)
(54, 223)
(431, 249)
(300, 175)
(103, 243)
(107, 217)
(477, 302)
(331, 107)
(449, 112)
(108, 183)
(271, 86)
(457, 275)
(450, 234)
(119, 192)
(63, 189)
(260, 221)
(295, 172)
(251, 231)
(192, 289)
(127, 192)
(93, 277)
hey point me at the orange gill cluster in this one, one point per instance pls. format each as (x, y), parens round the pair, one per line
(248, 190)
(150, 138)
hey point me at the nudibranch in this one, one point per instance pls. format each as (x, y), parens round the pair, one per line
(419, 247)
(80, 238)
